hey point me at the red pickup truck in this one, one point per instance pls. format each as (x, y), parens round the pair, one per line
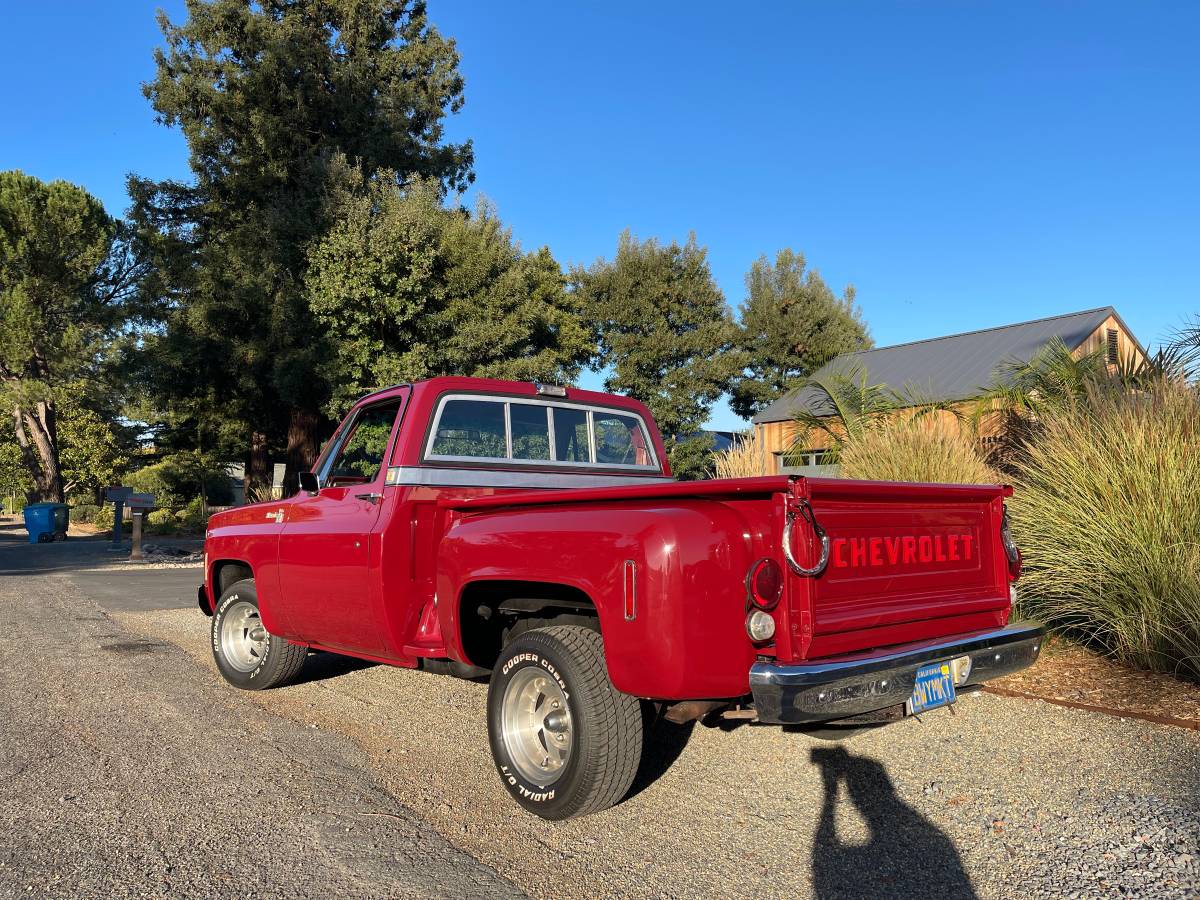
(532, 534)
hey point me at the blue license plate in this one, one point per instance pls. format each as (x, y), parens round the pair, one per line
(934, 688)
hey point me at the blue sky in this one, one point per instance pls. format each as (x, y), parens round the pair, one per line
(962, 164)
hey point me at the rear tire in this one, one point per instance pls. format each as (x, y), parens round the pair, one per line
(247, 655)
(565, 741)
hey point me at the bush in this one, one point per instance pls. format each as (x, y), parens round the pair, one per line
(161, 521)
(103, 517)
(180, 476)
(920, 448)
(192, 516)
(747, 458)
(85, 513)
(1107, 512)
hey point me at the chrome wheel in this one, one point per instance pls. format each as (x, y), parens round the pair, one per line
(243, 637)
(536, 725)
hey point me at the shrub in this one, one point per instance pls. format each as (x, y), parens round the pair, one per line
(747, 458)
(192, 516)
(1107, 512)
(85, 513)
(103, 518)
(161, 521)
(175, 478)
(916, 448)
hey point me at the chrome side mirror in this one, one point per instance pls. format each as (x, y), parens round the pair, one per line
(309, 482)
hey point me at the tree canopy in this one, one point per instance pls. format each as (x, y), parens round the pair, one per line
(64, 280)
(267, 95)
(408, 289)
(792, 323)
(663, 331)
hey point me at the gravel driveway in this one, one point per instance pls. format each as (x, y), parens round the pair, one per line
(385, 785)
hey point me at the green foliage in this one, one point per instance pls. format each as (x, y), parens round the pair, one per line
(161, 521)
(103, 518)
(791, 325)
(91, 452)
(664, 336)
(851, 406)
(1106, 510)
(918, 449)
(267, 96)
(85, 513)
(64, 278)
(408, 290)
(177, 479)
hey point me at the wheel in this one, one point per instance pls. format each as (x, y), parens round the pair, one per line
(60, 535)
(565, 741)
(247, 655)
(45, 538)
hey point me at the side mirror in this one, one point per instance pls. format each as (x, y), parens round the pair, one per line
(309, 482)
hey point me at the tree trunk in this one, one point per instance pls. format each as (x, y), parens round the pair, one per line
(303, 447)
(37, 436)
(257, 479)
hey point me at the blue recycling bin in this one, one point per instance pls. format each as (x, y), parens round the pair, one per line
(46, 521)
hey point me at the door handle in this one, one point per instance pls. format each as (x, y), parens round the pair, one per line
(373, 498)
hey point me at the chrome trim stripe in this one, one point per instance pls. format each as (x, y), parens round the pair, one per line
(823, 672)
(418, 475)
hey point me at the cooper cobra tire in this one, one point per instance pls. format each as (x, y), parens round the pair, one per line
(565, 741)
(247, 655)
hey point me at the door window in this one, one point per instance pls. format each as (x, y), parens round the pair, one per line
(361, 453)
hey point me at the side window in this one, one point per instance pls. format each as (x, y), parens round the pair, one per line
(571, 435)
(619, 440)
(530, 431)
(360, 456)
(471, 428)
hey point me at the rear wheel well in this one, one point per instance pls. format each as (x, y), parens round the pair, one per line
(227, 572)
(493, 613)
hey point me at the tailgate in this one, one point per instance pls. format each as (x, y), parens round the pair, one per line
(906, 562)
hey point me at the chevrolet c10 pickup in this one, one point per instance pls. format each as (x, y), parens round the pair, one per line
(532, 535)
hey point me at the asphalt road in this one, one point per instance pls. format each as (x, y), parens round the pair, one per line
(127, 768)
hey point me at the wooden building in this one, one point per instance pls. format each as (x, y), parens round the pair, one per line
(954, 369)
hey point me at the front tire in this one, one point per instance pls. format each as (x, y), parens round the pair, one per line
(565, 741)
(247, 655)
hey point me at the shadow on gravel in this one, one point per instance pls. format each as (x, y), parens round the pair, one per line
(321, 666)
(906, 855)
(663, 743)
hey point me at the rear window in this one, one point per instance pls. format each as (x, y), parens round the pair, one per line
(547, 433)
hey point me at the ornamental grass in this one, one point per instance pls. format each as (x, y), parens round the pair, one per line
(1107, 513)
(927, 448)
(748, 457)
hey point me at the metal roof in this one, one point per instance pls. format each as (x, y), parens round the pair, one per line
(955, 367)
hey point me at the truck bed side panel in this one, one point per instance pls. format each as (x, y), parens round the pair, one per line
(687, 638)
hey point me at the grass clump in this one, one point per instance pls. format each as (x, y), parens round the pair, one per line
(916, 448)
(747, 458)
(1107, 513)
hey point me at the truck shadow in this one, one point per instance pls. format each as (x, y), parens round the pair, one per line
(663, 742)
(321, 666)
(906, 855)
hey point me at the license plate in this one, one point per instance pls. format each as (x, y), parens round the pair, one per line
(934, 688)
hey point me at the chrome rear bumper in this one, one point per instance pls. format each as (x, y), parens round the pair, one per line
(839, 687)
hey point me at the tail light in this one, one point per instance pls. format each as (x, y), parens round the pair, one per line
(764, 584)
(1011, 550)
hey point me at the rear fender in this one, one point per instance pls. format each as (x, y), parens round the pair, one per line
(686, 561)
